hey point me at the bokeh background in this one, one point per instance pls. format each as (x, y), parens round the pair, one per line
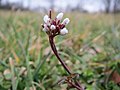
(91, 48)
(63, 5)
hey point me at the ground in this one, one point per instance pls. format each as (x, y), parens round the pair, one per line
(91, 49)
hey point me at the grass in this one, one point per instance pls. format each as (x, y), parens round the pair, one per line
(92, 49)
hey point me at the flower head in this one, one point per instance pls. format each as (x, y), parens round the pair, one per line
(44, 29)
(63, 31)
(66, 21)
(46, 18)
(52, 27)
(55, 27)
(59, 16)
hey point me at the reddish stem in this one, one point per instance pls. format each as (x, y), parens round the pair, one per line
(77, 85)
(56, 53)
(50, 14)
(74, 85)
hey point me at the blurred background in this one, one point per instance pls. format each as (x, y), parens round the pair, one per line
(91, 48)
(90, 6)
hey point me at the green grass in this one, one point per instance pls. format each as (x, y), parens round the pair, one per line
(92, 49)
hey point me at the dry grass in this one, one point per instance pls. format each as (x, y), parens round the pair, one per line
(21, 39)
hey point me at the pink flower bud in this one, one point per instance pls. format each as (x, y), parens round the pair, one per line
(45, 26)
(59, 16)
(63, 31)
(45, 29)
(66, 21)
(52, 27)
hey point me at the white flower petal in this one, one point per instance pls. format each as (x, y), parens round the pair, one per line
(46, 18)
(66, 21)
(45, 30)
(63, 31)
(59, 16)
(45, 26)
(52, 27)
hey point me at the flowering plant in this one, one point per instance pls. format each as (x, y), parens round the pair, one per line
(53, 28)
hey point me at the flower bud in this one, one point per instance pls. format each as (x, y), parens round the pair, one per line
(46, 18)
(59, 16)
(46, 27)
(45, 30)
(66, 21)
(63, 31)
(52, 27)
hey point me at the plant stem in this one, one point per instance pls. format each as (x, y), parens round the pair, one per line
(56, 53)
(51, 40)
(76, 86)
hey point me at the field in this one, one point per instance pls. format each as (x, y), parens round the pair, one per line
(91, 49)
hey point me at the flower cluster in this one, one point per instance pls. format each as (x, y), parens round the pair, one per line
(55, 27)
